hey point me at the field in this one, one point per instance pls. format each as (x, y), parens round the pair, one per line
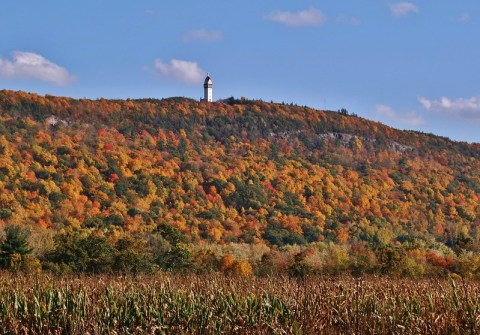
(173, 304)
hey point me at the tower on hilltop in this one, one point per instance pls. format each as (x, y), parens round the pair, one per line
(207, 89)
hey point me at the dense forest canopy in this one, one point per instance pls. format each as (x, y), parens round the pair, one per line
(231, 172)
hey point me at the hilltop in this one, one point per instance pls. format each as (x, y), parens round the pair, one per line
(237, 171)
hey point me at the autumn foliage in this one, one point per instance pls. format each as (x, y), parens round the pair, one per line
(236, 171)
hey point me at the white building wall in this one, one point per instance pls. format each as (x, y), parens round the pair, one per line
(208, 93)
(208, 89)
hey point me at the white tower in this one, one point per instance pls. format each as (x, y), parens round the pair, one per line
(207, 89)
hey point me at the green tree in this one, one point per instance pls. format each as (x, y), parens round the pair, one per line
(171, 250)
(14, 243)
(79, 253)
(277, 235)
(132, 256)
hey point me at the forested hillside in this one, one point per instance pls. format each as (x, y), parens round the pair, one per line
(180, 178)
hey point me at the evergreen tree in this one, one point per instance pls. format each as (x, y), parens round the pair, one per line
(14, 242)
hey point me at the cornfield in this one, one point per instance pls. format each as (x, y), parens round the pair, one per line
(211, 304)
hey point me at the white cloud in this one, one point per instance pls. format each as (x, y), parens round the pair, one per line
(30, 65)
(348, 20)
(181, 70)
(307, 17)
(202, 35)
(463, 108)
(403, 8)
(464, 17)
(151, 12)
(411, 118)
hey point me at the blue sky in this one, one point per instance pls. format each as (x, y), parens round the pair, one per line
(409, 64)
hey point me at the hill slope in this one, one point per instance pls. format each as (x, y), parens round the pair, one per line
(238, 171)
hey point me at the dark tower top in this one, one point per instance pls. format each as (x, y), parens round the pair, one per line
(208, 82)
